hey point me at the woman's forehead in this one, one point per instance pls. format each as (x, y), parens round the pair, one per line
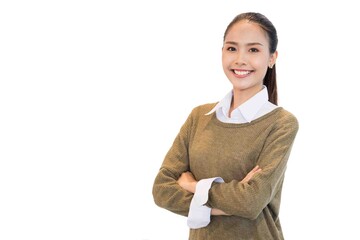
(246, 31)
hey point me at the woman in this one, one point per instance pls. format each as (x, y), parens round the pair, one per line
(226, 167)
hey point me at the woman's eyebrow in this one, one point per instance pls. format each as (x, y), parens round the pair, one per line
(248, 44)
(254, 43)
(231, 42)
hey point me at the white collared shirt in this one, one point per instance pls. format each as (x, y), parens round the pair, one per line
(253, 108)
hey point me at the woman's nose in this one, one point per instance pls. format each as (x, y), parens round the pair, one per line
(240, 58)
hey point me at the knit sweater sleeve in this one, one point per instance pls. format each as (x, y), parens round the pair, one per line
(166, 191)
(249, 199)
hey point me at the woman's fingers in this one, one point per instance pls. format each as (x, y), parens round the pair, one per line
(187, 181)
(255, 170)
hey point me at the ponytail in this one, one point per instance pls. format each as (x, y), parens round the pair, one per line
(270, 83)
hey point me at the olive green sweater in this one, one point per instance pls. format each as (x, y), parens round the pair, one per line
(210, 148)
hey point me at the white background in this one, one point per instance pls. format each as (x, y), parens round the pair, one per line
(93, 93)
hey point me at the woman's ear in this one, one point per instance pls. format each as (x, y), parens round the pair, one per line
(273, 58)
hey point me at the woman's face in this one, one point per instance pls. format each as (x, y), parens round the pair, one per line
(246, 56)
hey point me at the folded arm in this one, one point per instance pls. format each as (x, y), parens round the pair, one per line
(188, 182)
(166, 191)
(248, 198)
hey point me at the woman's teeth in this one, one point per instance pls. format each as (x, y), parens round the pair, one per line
(241, 73)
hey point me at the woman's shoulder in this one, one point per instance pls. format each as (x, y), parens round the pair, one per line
(286, 117)
(284, 113)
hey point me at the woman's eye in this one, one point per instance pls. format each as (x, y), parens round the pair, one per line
(231, 49)
(253, 50)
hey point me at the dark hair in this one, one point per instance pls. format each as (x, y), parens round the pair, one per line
(270, 76)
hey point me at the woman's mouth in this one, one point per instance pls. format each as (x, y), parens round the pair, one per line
(241, 73)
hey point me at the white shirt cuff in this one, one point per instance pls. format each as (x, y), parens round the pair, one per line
(199, 214)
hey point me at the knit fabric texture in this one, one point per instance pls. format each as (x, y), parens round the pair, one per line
(210, 148)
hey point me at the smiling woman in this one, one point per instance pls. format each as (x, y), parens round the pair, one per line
(246, 57)
(226, 167)
(93, 93)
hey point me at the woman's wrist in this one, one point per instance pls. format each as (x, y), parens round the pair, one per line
(191, 187)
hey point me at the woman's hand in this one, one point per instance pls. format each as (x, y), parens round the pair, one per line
(187, 181)
(255, 170)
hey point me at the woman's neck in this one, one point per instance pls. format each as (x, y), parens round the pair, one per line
(239, 97)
